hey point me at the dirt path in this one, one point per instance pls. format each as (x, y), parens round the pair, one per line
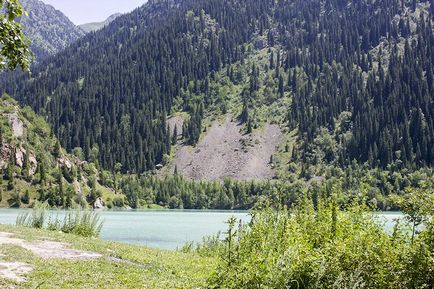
(14, 271)
(44, 249)
(225, 152)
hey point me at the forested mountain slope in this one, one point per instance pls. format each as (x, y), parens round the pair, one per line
(49, 30)
(353, 80)
(33, 165)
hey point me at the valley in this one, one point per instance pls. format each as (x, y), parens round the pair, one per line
(312, 116)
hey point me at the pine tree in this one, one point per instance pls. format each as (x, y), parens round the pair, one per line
(42, 173)
(10, 172)
(26, 197)
(175, 135)
(26, 166)
(61, 190)
(281, 86)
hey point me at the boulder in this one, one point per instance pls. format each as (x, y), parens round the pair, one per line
(33, 164)
(99, 204)
(159, 166)
(64, 162)
(19, 156)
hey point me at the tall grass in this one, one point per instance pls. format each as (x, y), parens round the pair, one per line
(323, 248)
(80, 222)
(35, 218)
(209, 246)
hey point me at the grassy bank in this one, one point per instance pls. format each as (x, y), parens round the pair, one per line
(122, 266)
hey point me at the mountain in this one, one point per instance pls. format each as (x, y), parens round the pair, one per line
(49, 30)
(94, 26)
(346, 82)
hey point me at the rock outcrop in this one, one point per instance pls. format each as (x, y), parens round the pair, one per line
(99, 204)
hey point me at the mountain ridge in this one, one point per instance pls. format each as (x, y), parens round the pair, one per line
(94, 26)
(49, 30)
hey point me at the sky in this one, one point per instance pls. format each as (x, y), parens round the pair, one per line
(85, 11)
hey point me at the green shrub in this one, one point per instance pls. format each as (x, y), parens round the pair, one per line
(109, 204)
(323, 248)
(26, 197)
(210, 246)
(119, 202)
(15, 200)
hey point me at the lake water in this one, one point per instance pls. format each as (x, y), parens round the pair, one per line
(166, 229)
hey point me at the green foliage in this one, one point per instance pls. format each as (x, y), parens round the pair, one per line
(374, 185)
(15, 200)
(14, 46)
(322, 248)
(93, 195)
(119, 202)
(47, 172)
(417, 205)
(25, 198)
(178, 192)
(57, 150)
(208, 247)
(11, 181)
(304, 67)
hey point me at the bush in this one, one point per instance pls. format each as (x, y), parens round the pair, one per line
(26, 197)
(119, 202)
(322, 248)
(210, 246)
(175, 203)
(15, 200)
(109, 204)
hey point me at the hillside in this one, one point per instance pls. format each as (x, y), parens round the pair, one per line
(345, 81)
(48, 29)
(35, 167)
(94, 26)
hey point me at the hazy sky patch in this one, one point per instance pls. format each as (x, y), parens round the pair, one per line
(85, 11)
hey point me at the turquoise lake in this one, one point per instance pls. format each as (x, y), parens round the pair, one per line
(167, 229)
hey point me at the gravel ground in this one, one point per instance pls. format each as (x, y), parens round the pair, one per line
(225, 152)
